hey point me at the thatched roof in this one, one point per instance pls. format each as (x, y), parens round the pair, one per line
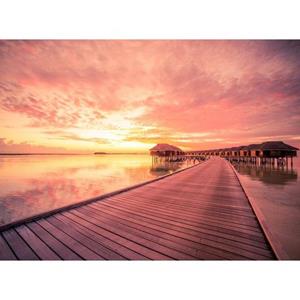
(270, 145)
(243, 148)
(235, 148)
(252, 147)
(165, 147)
(276, 145)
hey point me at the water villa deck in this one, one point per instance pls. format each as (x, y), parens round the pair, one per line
(198, 213)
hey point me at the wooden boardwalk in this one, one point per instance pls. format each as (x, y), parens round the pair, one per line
(200, 213)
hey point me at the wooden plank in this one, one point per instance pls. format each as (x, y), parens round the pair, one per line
(193, 208)
(194, 192)
(190, 203)
(158, 250)
(230, 185)
(38, 246)
(92, 232)
(209, 196)
(184, 219)
(62, 250)
(241, 249)
(135, 247)
(180, 214)
(206, 197)
(155, 242)
(194, 211)
(78, 248)
(196, 226)
(191, 234)
(158, 236)
(5, 252)
(17, 244)
(188, 228)
(104, 252)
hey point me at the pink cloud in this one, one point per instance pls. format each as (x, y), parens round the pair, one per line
(235, 90)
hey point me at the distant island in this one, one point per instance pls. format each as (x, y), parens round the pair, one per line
(100, 153)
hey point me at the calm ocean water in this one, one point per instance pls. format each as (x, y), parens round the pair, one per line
(277, 193)
(38, 183)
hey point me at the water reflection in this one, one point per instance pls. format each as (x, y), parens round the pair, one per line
(160, 168)
(34, 184)
(268, 174)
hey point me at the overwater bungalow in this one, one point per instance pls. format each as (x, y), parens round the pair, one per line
(275, 149)
(221, 152)
(243, 152)
(253, 150)
(235, 151)
(218, 152)
(166, 152)
(267, 152)
(228, 152)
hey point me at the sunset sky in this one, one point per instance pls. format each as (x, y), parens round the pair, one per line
(126, 96)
